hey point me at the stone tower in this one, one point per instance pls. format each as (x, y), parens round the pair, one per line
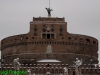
(51, 31)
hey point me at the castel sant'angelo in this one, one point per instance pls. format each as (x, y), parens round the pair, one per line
(48, 39)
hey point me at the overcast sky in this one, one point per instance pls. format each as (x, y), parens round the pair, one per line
(82, 16)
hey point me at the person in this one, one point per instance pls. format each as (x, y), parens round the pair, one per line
(78, 63)
(29, 72)
(17, 64)
(33, 73)
(48, 73)
(49, 11)
(65, 71)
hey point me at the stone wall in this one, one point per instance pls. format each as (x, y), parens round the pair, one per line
(55, 69)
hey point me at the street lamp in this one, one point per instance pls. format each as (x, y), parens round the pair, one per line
(91, 60)
(98, 72)
(2, 62)
(69, 69)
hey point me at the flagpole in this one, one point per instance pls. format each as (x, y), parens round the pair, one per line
(49, 3)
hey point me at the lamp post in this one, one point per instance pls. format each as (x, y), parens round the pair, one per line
(91, 60)
(69, 69)
(98, 72)
(2, 62)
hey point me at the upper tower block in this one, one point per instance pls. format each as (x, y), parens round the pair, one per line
(48, 28)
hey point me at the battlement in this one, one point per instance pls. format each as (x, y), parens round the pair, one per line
(48, 19)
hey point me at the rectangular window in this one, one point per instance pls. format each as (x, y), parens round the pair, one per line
(48, 35)
(43, 36)
(52, 36)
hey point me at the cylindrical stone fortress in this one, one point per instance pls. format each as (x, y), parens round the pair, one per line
(65, 46)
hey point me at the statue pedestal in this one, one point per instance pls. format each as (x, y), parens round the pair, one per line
(49, 16)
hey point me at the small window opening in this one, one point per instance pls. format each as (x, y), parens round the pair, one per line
(35, 33)
(35, 27)
(40, 42)
(61, 33)
(62, 38)
(45, 42)
(97, 43)
(94, 42)
(32, 37)
(75, 38)
(87, 40)
(48, 36)
(60, 27)
(26, 37)
(44, 36)
(52, 28)
(80, 38)
(52, 36)
(69, 38)
(44, 28)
